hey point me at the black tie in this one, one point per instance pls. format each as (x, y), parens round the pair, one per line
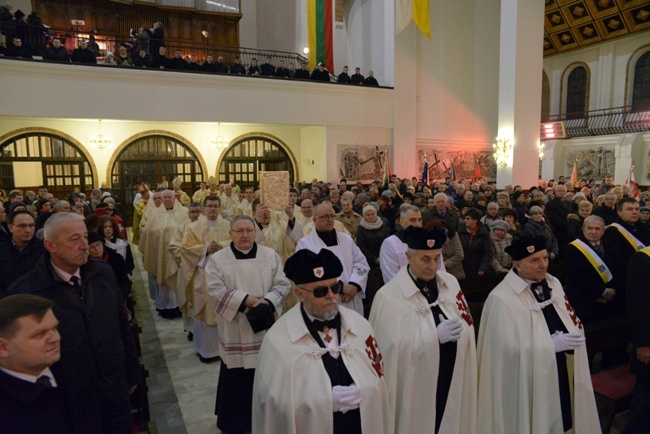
(541, 290)
(44, 381)
(76, 287)
(321, 325)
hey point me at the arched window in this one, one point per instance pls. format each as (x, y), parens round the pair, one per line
(576, 96)
(246, 157)
(33, 159)
(641, 86)
(546, 97)
(154, 159)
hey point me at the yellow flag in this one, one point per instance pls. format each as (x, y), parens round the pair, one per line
(421, 16)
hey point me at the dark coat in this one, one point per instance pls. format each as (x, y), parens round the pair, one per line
(584, 285)
(541, 229)
(142, 62)
(319, 75)
(95, 335)
(237, 69)
(450, 219)
(574, 226)
(478, 250)
(301, 73)
(638, 305)
(557, 212)
(120, 268)
(20, 52)
(608, 214)
(343, 78)
(267, 69)
(83, 56)
(57, 54)
(357, 79)
(15, 263)
(29, 408)
(369, 241)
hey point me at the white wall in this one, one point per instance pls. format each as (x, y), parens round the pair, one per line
(276, 25)
(248, 24)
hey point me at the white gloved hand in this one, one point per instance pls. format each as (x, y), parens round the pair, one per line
(567, 341)
(345, 398)
(449, 330)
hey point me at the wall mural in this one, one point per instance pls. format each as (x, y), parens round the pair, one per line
(456, 164)
(597, 163)
(364, 163)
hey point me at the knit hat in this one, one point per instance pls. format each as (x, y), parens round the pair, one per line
(368, 208)
(501, 224)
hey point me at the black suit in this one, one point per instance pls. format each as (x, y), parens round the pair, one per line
(557, 212)
(638, 302)
(30, 408)
(584, 285)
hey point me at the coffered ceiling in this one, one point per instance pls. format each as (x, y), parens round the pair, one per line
(572, 24)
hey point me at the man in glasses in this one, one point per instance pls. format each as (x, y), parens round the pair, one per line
(247, 286)
(426, 332)
(202, 239)
(355, 265)
(320, 369)
(21, 253)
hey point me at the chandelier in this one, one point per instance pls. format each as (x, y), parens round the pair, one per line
(502, 151)
(100, 140)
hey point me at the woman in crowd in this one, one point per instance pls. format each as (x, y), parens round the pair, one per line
(500, 240)
(98, 251)
(109, 231)
(503, 200)
(348, 217)
(387, 211)
(372, 231)
(537, 227)
(575, 221)
(477, 246)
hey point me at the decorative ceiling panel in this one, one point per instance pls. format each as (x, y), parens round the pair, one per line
(571, 24)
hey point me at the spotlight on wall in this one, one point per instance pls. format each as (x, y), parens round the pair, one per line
(305, 50)
(502, 151)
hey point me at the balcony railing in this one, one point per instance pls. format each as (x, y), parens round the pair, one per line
(618, 120)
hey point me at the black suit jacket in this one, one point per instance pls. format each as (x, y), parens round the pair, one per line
(638, 306)
(30, 408)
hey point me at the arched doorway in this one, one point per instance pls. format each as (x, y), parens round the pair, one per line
(41, 157)
(153, 158)
(253, 153)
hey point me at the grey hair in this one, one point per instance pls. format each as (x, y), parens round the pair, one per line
(346, 199)
(167, 193)
(560, 187)
(589, 220)
(405, 208)
(242, 217)
(60, 204)
(52, 225)
(440, 195)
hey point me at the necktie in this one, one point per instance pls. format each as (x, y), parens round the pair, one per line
(541, 290)
(76, 287)
(44, 381)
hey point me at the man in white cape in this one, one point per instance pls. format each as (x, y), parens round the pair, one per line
(355, 265)
(247, 286)
(320, 370)
(426, 332)
(533, 366)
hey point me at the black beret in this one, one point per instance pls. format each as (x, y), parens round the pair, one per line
(525, 246)
(425, 239)
(94, 237)
(306, 266)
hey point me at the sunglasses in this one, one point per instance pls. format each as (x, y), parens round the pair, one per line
(321, 291)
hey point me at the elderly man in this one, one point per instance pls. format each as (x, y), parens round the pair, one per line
(154, 240)
(341, 388)
(608, 209)
(278, 230)
(638, 302)
(441, 211)
(424, 327)
(39, 393)
(229, 202)
(182, 197)
(528, 335)
(203, 238)
(587, 284)
(348, 217)
(306, 218)
(247, 286)
(355, 265)
(392, 255)
(557, 210)
(95, 335)
(21, 253)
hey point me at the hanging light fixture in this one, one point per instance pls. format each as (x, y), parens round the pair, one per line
(502, 151)
(219, 142)
(100, 140)
(540, 150)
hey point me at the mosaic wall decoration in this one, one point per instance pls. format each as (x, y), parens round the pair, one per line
(597, 163)
(364, 163)
(456, 164)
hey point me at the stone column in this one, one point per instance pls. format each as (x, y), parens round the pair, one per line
(403, 155)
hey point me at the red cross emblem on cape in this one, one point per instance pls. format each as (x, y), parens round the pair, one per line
(319, 271)
(461, 304)
(376, 359)
(572, 313)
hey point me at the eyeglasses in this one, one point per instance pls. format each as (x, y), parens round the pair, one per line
(321, 291)
(326, 217)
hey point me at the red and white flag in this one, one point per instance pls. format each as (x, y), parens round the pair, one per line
(630, 182)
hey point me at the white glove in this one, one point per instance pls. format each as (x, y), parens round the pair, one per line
(345, 398)
(449, 330)
(567, 341)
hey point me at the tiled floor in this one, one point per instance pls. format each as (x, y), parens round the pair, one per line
(182, 390)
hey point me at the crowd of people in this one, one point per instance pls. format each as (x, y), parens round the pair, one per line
(146, 49)
(280, 297)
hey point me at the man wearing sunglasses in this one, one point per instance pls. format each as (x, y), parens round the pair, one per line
(320, 369)
(425, 329)
(355, 265)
